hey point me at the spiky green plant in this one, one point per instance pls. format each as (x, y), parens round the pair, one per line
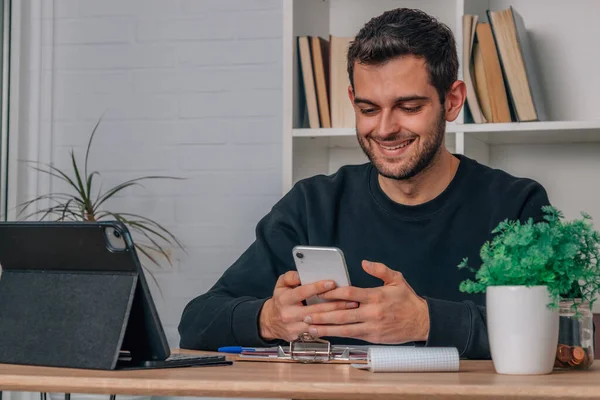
(80, 204)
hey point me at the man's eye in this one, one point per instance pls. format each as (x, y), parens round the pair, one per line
(411, 109)
(367, 111)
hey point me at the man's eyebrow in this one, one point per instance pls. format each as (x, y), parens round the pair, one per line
(401, 99)
(365, 101)
(414, 97)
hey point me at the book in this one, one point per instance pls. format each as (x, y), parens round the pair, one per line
(320, 57)
(481, 83)
(469, 24)
(488, 75)
(516, 59)
(308, 81)
(342, 110)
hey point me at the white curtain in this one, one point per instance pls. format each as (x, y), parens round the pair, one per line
(30, 99)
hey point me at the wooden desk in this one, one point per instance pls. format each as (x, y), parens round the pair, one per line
(477, 379)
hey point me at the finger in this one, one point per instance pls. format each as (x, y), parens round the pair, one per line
(356, 331)
(303, 292)
(337, 317)
(382, 272)
(290, 279)
(302, 312)
(294, 330)
(328, 306)
(347, 293)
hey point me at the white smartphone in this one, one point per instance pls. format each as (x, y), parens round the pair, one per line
(315, 263)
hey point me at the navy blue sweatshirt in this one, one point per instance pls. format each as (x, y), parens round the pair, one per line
(349, 210)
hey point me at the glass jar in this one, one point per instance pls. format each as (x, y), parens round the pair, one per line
(576, 335)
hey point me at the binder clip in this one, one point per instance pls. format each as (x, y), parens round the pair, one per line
(307, 349)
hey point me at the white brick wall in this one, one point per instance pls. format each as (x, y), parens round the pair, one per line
(190, 88)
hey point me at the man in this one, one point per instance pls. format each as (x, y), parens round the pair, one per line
(405, 220)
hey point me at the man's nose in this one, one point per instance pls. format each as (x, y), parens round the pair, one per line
(389, 124)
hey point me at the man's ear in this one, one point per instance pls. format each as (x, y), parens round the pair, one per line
(455, 99)
(351, 95)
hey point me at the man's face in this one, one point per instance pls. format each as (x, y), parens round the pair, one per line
(400, 122)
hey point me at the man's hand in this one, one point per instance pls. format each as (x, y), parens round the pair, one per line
(390, 314)
(282, 316)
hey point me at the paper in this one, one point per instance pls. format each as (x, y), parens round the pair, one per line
(411, 359)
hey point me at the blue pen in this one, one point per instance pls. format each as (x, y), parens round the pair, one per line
(235, 349)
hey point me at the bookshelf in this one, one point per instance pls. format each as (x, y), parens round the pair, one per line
(562, 152)
(322, 150)
(564, 61)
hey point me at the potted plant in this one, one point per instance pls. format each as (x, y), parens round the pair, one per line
(528, 271)
(82, 201)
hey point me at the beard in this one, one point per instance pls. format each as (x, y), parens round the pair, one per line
(422, 159)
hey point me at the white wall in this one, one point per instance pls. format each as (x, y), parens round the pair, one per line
(569, 173)
(190, 89)
(566, 64)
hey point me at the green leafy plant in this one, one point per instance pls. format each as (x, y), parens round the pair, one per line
(562, 255)
(80, 204)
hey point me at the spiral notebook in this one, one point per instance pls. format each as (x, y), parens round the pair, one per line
(411, 359)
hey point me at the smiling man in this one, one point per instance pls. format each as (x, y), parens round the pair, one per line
(404, 220)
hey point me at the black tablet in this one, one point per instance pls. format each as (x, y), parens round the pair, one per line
(74, 294)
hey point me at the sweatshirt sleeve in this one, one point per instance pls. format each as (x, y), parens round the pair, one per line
(458, 324)
(228, 314)
(463, 324)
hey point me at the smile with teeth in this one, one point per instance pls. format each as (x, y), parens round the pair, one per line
(399, 146)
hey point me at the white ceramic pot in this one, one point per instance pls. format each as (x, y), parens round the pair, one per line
(522, 330)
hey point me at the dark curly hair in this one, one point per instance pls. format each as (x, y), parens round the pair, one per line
(405, 31)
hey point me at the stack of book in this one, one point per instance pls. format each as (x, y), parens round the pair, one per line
(324, 82)
(499, 69)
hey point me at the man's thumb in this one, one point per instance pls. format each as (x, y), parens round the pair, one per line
(382, 272)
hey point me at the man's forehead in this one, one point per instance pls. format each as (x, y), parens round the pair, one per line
(402, 65)
(406, 72)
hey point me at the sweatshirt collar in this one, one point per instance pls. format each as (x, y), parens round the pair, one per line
(424, 210)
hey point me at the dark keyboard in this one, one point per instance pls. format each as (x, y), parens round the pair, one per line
(176, 360)
(174, 357)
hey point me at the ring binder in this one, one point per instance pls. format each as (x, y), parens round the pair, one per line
(308, 350)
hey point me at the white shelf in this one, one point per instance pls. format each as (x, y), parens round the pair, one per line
(505, 133)
(526, 126)
(535, 132)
